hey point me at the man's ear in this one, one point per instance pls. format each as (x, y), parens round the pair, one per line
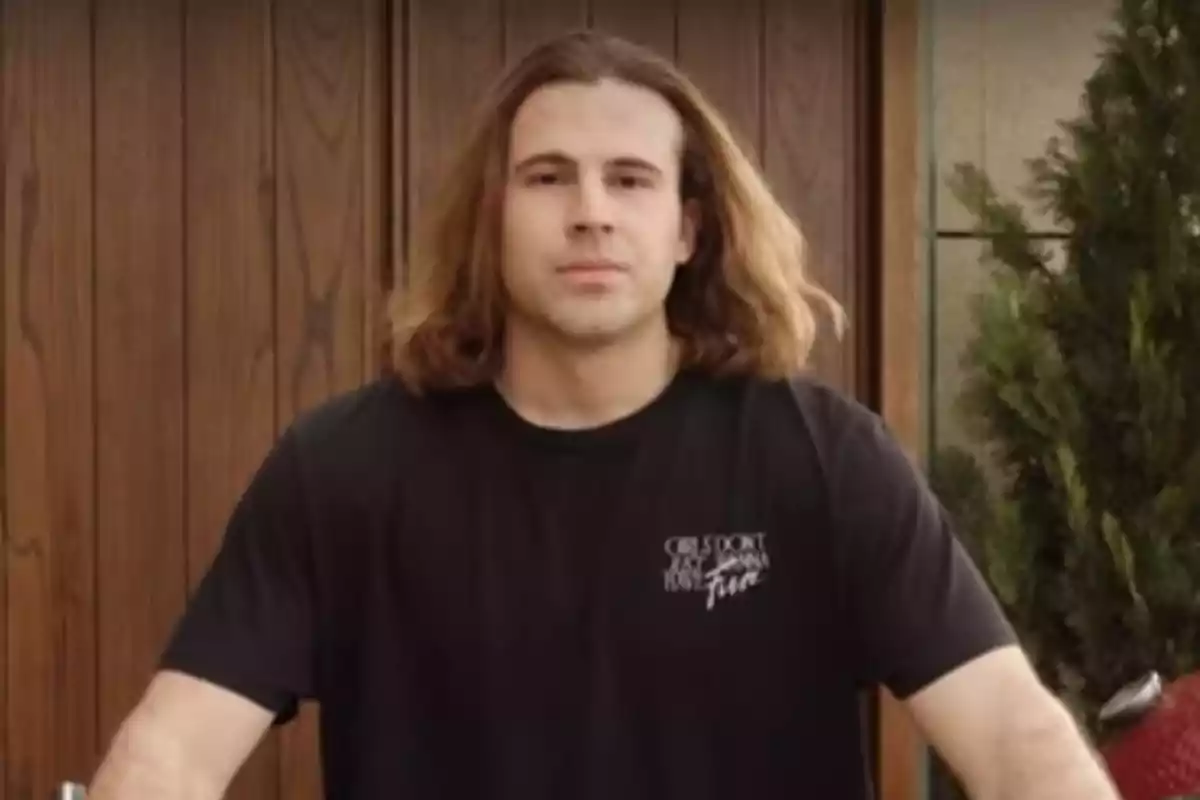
(689, 230)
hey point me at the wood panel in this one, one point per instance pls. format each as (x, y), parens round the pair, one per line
(647, 22)
(528, 23)
(321, 198)
(733, 82)
(899, 359)
(454, 53)
(399, 115)
(231, 352)
(809, 146)
(7, 70)
(49, 392)
(378, 119)
(140, 548)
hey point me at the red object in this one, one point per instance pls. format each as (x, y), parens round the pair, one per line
(1158, 758)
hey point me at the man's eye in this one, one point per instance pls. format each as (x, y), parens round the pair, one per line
(633, 181)
(543, 179)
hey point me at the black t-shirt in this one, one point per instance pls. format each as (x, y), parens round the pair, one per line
(681, 605)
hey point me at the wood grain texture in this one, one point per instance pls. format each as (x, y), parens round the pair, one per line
(323, 131)
(231, 363)
(141, 575)
(861, 170)
(647, 22)
(49, 394)
(454, 54)
(808, 142)
(733, 82)
(378, 120)
(901, 748)
(321, 141)
(528, 23)
(6, 71)
(399, 93)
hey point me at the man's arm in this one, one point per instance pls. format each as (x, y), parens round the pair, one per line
(1005, 735)
(185, 739)
(927, 626)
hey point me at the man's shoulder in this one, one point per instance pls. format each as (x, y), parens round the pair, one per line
(810, 408)
(372, 425)
(376, 404)
(817, 398)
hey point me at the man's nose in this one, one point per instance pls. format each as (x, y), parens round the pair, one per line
(592, 209)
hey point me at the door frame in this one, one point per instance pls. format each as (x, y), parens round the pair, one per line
(898, 364)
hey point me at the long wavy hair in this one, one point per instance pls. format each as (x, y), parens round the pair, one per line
(745, 304)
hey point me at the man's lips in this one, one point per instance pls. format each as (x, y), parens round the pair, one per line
(591, 267)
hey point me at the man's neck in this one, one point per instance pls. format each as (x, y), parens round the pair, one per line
(554, 385)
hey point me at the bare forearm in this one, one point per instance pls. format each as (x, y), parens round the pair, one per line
(1049, 759)
(144, 762)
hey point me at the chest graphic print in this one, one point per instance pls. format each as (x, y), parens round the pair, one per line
(719, 566)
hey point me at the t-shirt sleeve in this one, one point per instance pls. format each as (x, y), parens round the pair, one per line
(920, 607)
(248, 626)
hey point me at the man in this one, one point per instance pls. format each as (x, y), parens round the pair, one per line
(597, 537)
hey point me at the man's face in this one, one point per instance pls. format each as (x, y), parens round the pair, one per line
(593, 227)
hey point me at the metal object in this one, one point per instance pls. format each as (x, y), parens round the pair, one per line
(1133, 700)
(70, 791)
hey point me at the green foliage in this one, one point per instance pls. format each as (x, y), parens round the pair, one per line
(1084, 381)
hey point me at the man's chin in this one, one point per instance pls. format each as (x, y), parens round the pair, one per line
(588, 331)
(590, 337)
(594, 336)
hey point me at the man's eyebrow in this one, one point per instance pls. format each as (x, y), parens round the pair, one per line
(552, 158)
(557, 158)
(633, 162)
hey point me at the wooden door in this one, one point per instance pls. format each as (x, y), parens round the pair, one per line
(203, 201)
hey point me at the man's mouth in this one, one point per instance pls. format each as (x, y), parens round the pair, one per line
(591, 267)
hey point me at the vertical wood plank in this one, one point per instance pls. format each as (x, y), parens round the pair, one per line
(862, 175)
(649, 23)
(528, 23)
(6, 154)
(325, 123)
(899, 360)
(141, 579)
(454, 54)
(401, 122)
(378, 113)
(719, 48)
(230, 333)
(49, 393)
(321, 144)
(808, 141)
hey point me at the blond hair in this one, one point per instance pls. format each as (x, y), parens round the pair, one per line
(743, 305)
